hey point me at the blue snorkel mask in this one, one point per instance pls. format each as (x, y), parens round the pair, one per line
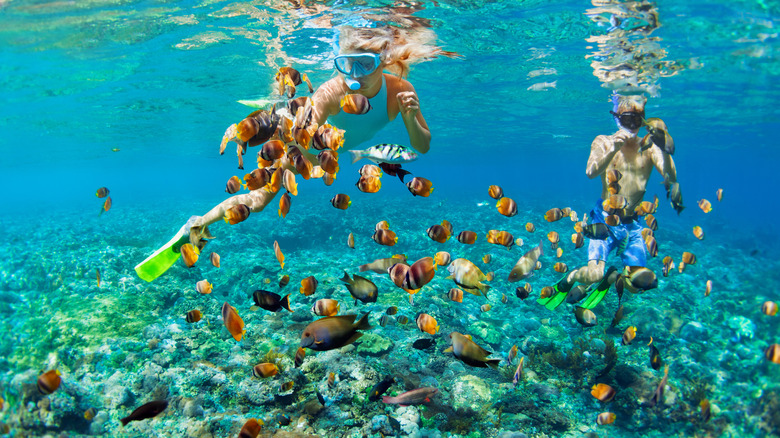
(356, 65)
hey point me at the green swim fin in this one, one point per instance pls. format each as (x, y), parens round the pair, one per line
(601, 290)
(162, 259)
(554, 301)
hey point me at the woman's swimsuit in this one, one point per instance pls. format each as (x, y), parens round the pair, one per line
(362, 127)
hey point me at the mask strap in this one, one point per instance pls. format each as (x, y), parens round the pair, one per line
(615, 99)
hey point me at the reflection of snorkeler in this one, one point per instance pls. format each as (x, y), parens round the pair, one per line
(365, 53)
(620, 151)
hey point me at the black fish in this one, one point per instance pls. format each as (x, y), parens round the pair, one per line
(618, 317)
(423, 344)
(655, 358)
(148, 410)
(271, 301)
(380, 388)
(283, 419)
(597, 231)
(394, 170)
(521, 293)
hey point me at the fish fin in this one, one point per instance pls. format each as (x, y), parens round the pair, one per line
(254, 308)
(356, 156)
(286, 303)
(363, 323)
(346, 278)
(353, 338)
(308, 82)
(448, 350)
(493, 363)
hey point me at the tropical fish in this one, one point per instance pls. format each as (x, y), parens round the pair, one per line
(658, 395)
(299, 356)
(641, 278)
(554, 238)
(467, 237)
(526, 264)
(369, 184)
(204, 287)
(705, 410)
(351, 241)
(419, 186)
(309, 285)
(420, 273)
(674, 193)
(546, 292)
(148, 410)
(329, 161)
(325, 307)
(559, 252)
(512, 354)
(668, 264)
(427, 323)
(578, 240)
(438, 233)
(264, 370)
(102, 192)
(455, 294)
(769, 308)
(257, 178)
(576, 294)
(237, 213)
(380, 388)
(355, 104)
(385, 153)
(284, 204)
(495, 192)
(651, 222)
(468, 276)
(688, 258)
(500, 237)
(233, 322)
(333, 332)
(705, 205)
(469, 352)
(659, 134)
(251, 428)
(284, 281)
(612, 220)
(560, 267)
(698, 232)
(341, 201)
(214, 259)
(89, 414)
(542, 86)
(370, 170)
(392, 310)
(655, 356)
(605, 418)
(361, 288)
(553, 214)
(288, 78)
(522, 292)
(530, 227)
(272, 150)
(518, 376)
(328, 137)
(278, 254)
(380, 266)
(106, 205)
(772, 354)
(719, 194)
(585, 317)
(629, 335)
(193, 316)
(288, 182)
(413, 397)
(597, 231)
(652, 246)
(603, 392)
(271, 301)
(423, 343)
(49, 381)
(442, 258)
(507, 207)
(708, 288)
(385, 237)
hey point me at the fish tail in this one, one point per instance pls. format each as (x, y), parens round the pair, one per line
(286, 302)
(363, 323)
(124, 421)
(356, 156)
(493, 363)
(346, 278)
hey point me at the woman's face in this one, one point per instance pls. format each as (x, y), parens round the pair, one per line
(359, 69)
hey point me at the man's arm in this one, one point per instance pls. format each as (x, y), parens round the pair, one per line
(664, 163)
(602, 150)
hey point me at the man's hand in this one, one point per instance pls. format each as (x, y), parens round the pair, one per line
(620, 139)
(408, 103)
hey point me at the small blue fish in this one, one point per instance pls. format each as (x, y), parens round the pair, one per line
(385, 153)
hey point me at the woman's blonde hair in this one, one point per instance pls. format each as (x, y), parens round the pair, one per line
(397, 47)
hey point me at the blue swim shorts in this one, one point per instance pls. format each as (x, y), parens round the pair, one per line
(626, 238)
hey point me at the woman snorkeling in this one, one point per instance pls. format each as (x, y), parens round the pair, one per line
(364, 55)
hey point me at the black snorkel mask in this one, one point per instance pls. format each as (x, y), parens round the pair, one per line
(630, 120)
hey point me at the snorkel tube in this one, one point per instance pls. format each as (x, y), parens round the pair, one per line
(351, 83)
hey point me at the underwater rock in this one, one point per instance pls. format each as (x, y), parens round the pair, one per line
(114, 392)
(372, 344)
(470, 392)
(512, 435)
(529, 325)
(486, 331)
(192, 408)
(743, 327)
(694, 332)
(381, 424)
(626, 375)
(409, 417)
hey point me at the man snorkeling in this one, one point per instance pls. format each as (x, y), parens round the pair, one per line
(624, 162)
(364, 55)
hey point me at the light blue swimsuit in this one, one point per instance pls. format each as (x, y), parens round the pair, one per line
(361, 127)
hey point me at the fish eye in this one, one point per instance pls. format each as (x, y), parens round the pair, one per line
(306, 334)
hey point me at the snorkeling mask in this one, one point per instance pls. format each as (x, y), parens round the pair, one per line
(356, 65)
(630, 120)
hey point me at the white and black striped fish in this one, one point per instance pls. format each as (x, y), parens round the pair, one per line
(385, 153)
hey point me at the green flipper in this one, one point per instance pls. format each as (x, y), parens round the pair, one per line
(554, 301)
(594, 298)
(600, 291)
(162, 259)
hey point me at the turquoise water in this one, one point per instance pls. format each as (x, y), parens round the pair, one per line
(160, 82)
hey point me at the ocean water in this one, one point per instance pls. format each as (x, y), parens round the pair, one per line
(135, 96)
